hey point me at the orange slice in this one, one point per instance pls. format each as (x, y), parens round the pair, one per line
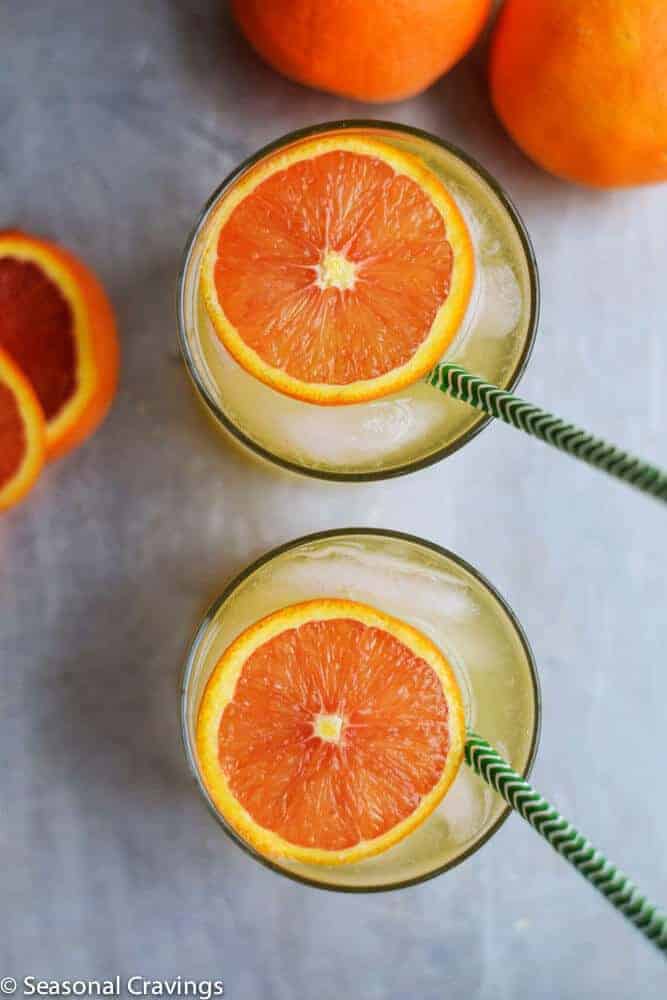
(22, 434)
(338, 270)
(328, 731)
(57, 324)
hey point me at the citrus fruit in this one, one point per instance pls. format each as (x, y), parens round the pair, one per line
(582, 87)
(372, 50)
(58, 326)
(328, 731)
(22, 434)
(338, 270)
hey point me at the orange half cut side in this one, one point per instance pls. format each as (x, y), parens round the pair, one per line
(22, 434)
(57, 324)
(338, 270)
(328, 731)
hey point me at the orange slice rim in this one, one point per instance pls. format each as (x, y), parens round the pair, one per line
(447, 319)
(33, 433)
(93, 333)
(220, 692)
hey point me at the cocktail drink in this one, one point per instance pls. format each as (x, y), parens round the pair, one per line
(329, 273)
(338, 722)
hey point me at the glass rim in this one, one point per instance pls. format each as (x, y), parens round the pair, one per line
(420, 463)
(229, 589)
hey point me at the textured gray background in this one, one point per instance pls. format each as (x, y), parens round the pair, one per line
(116, 121)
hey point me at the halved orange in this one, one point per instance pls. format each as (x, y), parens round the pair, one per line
(57, 324)
(328, 731)
(338, 270)
(22, 434)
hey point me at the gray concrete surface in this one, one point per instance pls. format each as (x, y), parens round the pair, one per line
(116, 121)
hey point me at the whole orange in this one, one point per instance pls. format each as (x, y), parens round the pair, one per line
(372, 50)
(581, 85)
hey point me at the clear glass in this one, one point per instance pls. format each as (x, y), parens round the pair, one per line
(446, 599)
(419, 425)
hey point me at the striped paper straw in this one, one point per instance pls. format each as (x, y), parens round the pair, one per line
(570, 844)
(461, 384)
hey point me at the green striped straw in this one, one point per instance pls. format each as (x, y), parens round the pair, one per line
(461, 384)
(570, 844)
